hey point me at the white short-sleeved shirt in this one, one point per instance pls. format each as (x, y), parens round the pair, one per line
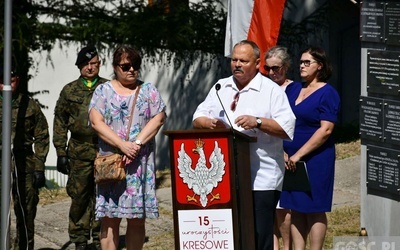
(261, 98)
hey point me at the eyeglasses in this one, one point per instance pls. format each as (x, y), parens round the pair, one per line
(274, 68)
(235, 101)
(306, 63)
(126, 67)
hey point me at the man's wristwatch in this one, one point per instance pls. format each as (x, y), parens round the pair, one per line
(138, 142)
(258, 120)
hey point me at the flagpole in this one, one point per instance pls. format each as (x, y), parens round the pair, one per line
(6, 129)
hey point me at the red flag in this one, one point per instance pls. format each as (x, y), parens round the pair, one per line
(256, 20)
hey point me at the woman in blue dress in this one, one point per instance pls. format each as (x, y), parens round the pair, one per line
(316, 105)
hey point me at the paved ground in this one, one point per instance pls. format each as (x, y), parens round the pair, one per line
(347, 182)
(52, 219)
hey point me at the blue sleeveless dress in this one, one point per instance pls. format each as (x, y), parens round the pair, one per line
(323, 104)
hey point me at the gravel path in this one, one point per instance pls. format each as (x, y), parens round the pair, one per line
(52, 219)
(347, 182)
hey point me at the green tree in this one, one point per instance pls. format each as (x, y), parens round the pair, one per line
(173, 27)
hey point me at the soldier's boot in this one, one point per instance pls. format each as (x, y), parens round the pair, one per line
(81, 246)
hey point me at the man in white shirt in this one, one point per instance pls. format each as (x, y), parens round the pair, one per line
(260, 108)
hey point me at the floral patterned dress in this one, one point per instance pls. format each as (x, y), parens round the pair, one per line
(134, 197)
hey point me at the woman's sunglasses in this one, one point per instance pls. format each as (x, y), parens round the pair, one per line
(126, 67)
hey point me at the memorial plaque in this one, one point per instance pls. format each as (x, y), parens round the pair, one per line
(383, 69)
(383, 169)
(391, 122)
(371, 118)
(372, 22)
(392, 24)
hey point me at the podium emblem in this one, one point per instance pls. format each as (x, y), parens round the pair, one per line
(201, 179)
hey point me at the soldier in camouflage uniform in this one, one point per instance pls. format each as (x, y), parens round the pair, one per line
(30, 145)
(76, 155)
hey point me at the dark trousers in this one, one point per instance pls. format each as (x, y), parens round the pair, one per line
(264, 203)
(25, 198)
(81, 189)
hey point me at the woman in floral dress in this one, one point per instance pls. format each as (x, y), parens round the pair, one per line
(109, 114)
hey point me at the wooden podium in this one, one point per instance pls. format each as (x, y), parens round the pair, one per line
(211, 189)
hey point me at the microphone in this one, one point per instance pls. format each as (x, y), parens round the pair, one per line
(217, 88)
(235, 153)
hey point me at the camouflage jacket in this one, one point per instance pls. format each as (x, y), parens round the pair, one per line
(29, 128)
(71, 114)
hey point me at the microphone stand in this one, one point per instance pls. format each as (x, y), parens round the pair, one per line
(235, 156)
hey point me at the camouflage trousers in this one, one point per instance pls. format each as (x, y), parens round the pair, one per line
(81, 189)
(25, 198)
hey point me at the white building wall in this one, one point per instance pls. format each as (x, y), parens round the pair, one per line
(182, 88)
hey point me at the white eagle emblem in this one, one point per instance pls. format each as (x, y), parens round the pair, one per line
(202, 180)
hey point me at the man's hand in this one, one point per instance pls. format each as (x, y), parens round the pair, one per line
(246, 122)
(62, 165)
(39, 180)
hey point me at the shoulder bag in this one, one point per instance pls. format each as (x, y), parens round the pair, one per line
(111, 168)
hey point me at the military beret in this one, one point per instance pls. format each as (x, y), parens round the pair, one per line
(85, 55)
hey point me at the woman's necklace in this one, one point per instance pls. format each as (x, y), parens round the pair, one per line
(304, 93)
(309, 89)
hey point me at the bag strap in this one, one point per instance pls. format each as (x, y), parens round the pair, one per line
(133, 108)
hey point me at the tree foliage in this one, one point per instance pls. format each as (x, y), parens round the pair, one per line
(296, 36)
(177, 28)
